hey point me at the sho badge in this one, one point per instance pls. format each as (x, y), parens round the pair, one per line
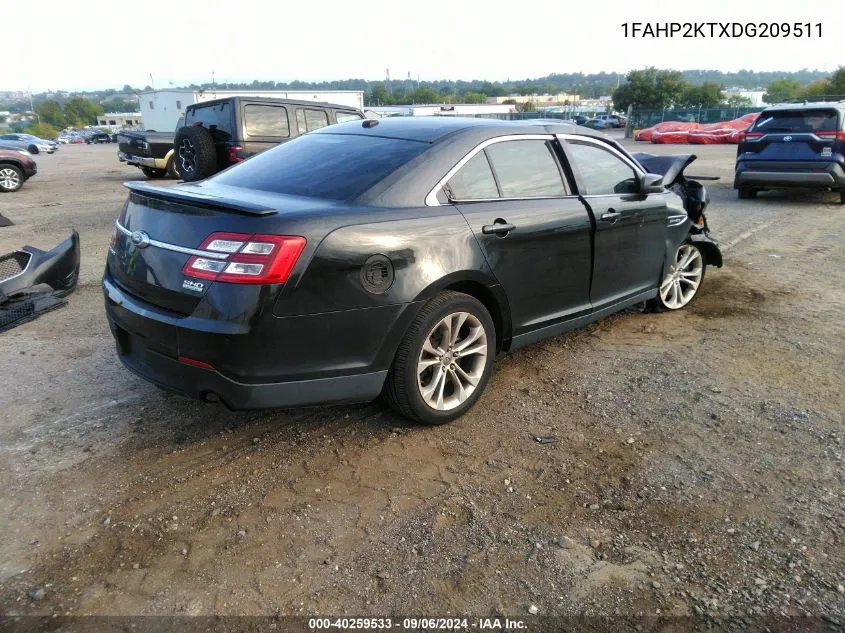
(196, 286)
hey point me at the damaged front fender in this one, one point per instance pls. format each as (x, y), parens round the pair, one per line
(30, 266)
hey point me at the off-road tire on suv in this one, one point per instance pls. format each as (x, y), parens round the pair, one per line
(196, 156)
(746, 193)
(403, 387)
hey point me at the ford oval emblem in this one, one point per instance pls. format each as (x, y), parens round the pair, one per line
(140, 239)
(787, 138)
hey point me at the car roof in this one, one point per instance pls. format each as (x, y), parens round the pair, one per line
(430, 129)
(807, 105)
(275, 101)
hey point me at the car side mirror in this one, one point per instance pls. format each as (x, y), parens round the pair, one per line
(651, 183)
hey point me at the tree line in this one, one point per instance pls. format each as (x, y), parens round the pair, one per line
(653, 88)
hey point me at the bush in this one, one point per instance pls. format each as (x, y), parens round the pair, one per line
(43, 130)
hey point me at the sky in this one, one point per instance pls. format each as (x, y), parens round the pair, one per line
(85, 45)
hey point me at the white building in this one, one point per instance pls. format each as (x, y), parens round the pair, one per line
(161, 109)
(119, 120)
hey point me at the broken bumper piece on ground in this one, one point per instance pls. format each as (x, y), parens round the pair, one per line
(33, 281)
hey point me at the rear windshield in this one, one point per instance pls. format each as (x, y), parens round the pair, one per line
(215, 117)
(334, 166)
(798, 121)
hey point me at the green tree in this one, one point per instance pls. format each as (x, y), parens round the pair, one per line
(378, 95)
(80, 111)
(816, 88)
(836, 83)
(738, 101)
(423, 94)
(51, 112)
(649, 88)
(529, 106)
(781, 90)
(43, 130)
(707, 95)
(473, 97)
(120, 105)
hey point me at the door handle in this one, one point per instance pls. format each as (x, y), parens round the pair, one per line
(611, 216)
(499, 228)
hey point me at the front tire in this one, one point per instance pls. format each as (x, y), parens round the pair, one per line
(682, 282)
(32, 149)
(11, 178)
(444, 361)
(842, 197)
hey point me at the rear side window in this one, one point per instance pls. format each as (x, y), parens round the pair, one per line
(216, 117)
(333, 166)
(266, 120)
(473, 181)
(343, 117)
(797, 121)
(526, 169)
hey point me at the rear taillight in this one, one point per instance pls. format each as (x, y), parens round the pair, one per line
(246, 259)
(747, 135)
(840, 136)
(236, 154)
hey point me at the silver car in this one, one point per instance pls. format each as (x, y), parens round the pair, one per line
(30, 143)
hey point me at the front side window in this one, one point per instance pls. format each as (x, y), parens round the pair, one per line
(266, 120)
(601, 171)
(473, 181)
(526, 169)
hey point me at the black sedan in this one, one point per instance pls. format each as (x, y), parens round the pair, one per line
(393, 256)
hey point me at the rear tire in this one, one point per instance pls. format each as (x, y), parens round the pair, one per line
(32, 149)
(842, 197)
(11, 178)
(428, 382)
(196, 155)
(746, 193)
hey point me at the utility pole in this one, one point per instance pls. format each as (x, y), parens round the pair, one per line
(32, 108)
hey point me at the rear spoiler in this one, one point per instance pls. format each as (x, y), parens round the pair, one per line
(194, 197)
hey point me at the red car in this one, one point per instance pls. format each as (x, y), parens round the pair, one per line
(16, 167)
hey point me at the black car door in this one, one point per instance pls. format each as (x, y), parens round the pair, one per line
(630, 240)
(534, 233)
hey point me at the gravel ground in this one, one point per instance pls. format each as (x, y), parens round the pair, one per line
(696, 480)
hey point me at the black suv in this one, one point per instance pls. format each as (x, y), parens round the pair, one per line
(793, 145)
(222, 132)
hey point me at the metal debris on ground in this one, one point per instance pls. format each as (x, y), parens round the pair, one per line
(546, 439)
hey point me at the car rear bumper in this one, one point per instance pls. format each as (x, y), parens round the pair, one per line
(141, 161)
(278, 362)
(794, 174)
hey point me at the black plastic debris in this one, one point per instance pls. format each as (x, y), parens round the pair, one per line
(26, 305)
(546, 439)
(33, 281)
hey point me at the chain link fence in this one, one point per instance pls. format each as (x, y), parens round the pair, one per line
(646, 118)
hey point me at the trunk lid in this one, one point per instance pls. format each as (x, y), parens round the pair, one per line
(161, 228)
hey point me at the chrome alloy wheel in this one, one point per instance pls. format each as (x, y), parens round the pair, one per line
(452, 361)
(681, 282)
(9, 179)
(188, 155)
